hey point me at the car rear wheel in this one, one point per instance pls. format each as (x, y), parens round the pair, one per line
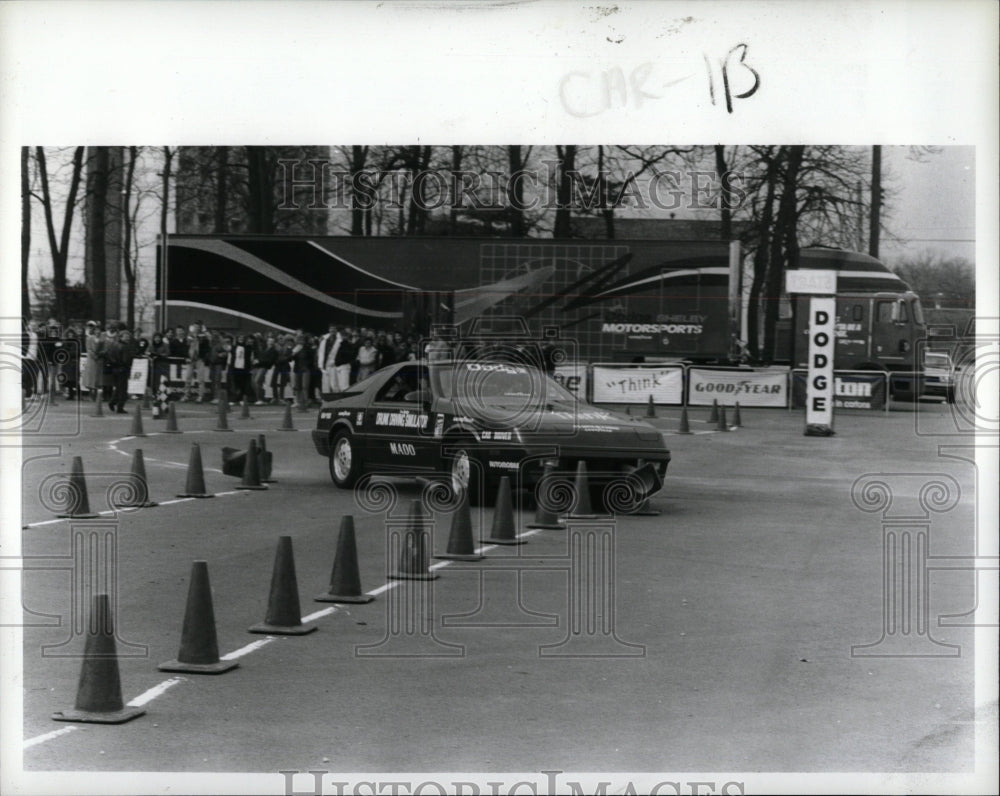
(345, 464)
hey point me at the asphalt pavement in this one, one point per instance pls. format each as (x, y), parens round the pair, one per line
(728, 633)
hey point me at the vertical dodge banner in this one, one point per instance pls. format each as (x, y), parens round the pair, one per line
(819, 388)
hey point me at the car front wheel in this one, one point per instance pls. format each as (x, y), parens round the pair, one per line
(464, 473)
(345, 463)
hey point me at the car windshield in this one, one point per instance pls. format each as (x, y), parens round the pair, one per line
(499, 382)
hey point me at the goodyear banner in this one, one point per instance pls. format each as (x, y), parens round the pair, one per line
(633, 385)
(750, 388)
(851, 389)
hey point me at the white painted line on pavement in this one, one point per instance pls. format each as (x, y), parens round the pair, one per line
(392, 584)
(253, 645)
(47, 736)
(319, 614)
(154, 692)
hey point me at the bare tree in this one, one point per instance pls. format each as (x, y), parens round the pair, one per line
(59, 242)
(25, 231)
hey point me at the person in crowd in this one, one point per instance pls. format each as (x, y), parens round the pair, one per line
(107, 376)
(367, 359)
(282, 368)
(386, 353)
(179, 347)
(315, 373)
(92, 370)
(205, 340)
(324, 350)
(30, 360)
(69, 361)
(48, 336)
(267, 358)
(159, 350)
(344, 358)
(239, 364)
(437, 349)
(120, 353)
(302, 355)
(218, 360)
(142, 343)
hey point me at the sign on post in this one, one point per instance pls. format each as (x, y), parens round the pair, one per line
(819, 388)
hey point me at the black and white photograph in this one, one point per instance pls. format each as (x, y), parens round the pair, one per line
(502, 398)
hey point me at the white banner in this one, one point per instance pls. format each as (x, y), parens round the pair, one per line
(138, 377)
(573, 376)
(819, 387)
(632, 385)
(750, 388)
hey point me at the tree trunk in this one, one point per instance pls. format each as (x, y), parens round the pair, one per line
(60, 248)
(168, 157)
(25, 233)
(725, 197)
(602, 197)
(260, 182)
(127, 265)
(760, 262)
(515, 193)
(566, 156)
(221, 190)
(783, 245)
(875, 212)
(456, 167)
(359, 155)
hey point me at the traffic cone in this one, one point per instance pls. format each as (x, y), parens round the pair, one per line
(244, 410)
(544, 519)
(685, 426)
(628, 411)
(266, 460)
(137, 430)
(251, 471)
(172, 420)
(76, 489)
(98, 404)
(283, 613)
(300, 400)
(460, 544)
(722, 419)
(503, 530)
(413, 556)
(199, 651)
(222, 424)
(583, 508)
(644, 509)
(53, 391)
(651, 408)
(737, 420)
(147, 399)
(713, 416)
(138, 485)
(99, 692)
(345, 580)
(234, 462)
(286, 424)
(195, 486)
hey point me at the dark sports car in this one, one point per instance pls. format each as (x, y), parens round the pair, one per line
(473, 422)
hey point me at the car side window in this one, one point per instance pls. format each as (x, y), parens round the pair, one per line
(404, 386)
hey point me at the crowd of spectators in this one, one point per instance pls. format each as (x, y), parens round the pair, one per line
(260, 368)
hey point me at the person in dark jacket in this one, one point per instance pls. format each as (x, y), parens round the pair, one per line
(119, 355)
(282, 368)
(268, 359)
(240, 360)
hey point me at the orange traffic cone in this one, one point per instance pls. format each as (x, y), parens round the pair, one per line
(199, 651)
(737, 420)
(244, 410)
(545, 519)
(685, 425)
(147, 399)
(460, 544)
(651, 408)
(266, 459)
(78, 504)
(222, 423)
(283, 613)
(503, 530)
(195, 486)
(722, 419)
(413, 556)
(98, 404)
(583, 508)
(713, 416)
(345, 580)
(99, 693)
(138, 492)
(172, 420)
(137, 430)
(251, 471)
(286, 424)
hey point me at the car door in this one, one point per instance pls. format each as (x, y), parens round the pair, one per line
(399, 420)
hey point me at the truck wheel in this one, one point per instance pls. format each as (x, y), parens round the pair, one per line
(345, 463)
